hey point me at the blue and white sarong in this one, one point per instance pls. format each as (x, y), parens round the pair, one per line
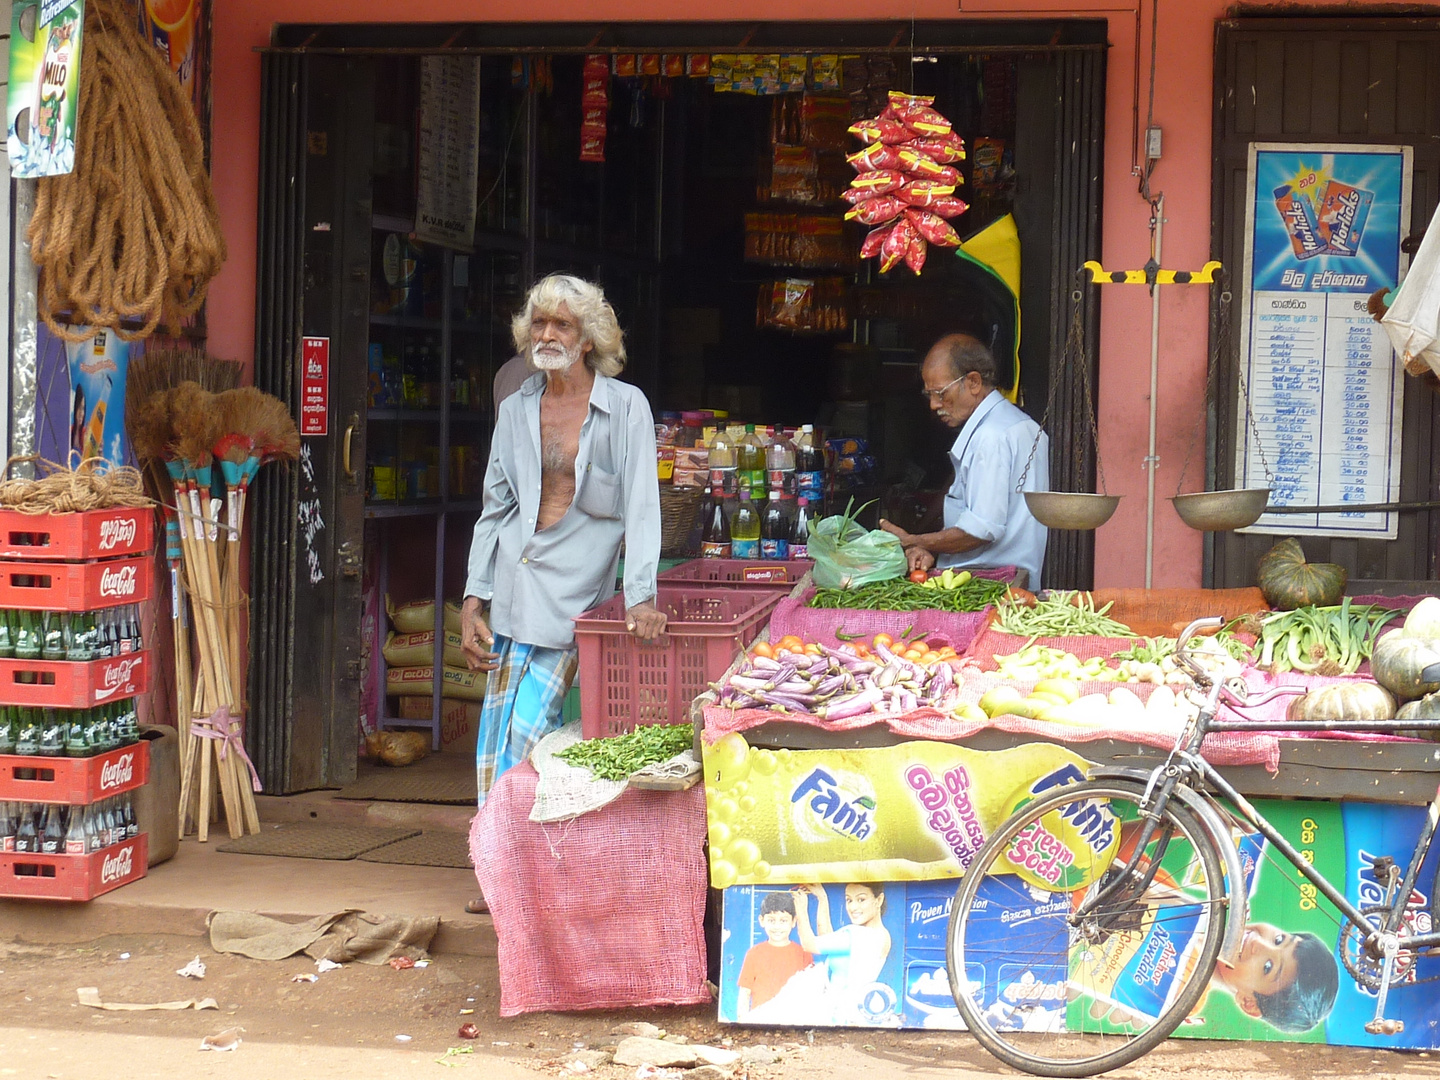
(524, 697)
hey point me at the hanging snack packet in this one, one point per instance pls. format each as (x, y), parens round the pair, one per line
(915, 254)
(624, 65)
(871, 247)
(697, 65)
(874, 211)
(946, 149)
(882, 131)
(947, 206)
(721, 69)
(825, 72)
(900, 100)
(875, 156)
(934, 228)
(923, 192)
(895, 246)
(925, 121)
(880, 182)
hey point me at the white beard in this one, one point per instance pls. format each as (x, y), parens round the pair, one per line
(553, 358)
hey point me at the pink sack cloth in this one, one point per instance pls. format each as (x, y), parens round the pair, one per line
(605, 911)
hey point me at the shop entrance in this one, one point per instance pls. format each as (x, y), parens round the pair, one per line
(714, 207)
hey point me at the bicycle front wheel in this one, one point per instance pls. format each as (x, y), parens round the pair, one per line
(1084, 933)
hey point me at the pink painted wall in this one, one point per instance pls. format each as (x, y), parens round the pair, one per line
(1183, 107)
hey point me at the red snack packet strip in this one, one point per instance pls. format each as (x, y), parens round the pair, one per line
(882, 131)
(896, 244)
(648, 63)
(873, 239)
(877, 210)
(947, 206)
(946, 150)
(946, 175)
(875, 156)
(899, 99)
(923, 165)
(924, 192)
(915, 255)
(674, 65)
(926, 121)
(855, 196)
(934, 228)
(597, 66)
(879, 182)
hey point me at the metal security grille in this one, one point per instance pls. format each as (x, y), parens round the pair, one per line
(277, 336)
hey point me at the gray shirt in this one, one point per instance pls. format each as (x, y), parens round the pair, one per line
(511, 377)
(537, 582)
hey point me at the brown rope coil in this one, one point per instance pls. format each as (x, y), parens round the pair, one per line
(133, 234)
(66, 491)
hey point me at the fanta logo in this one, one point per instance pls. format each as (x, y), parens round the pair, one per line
(115, 773)
(121, 582)
(117, 867)
(117, 531)
(849, 815)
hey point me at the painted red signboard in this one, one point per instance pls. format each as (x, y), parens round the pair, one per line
(315, 386)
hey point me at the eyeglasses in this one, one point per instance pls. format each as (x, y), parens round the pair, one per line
(936, 395)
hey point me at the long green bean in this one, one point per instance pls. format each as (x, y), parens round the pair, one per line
(900, 595)
(618, 757)
(1060, 614)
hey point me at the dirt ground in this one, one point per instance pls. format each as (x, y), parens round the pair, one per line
(346, 1025)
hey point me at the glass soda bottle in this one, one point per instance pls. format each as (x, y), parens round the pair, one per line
(28, 641)
(75, 834)
(715, 540)
(27, 834)
(800, 532)
(77, 741)
(27, 731)
(7, 634)
(52, 835)
(77, 638)
(775, 530)
(722, 462)
(8, 824)
(132, 826)
(745, 530)
(53, 732)
(809, 466)
(780, 464)
(7, 729)
(52, 635)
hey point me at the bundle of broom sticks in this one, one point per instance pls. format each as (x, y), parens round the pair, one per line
(200, 451)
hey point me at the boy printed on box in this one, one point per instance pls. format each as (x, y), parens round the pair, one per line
(770, 964)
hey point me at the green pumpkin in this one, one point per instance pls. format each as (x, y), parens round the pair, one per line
(1427, 708)
(1398, 662)
(1288, 581)
(1344, 701)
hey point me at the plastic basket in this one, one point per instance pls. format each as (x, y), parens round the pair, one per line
(74, 877)
(91, 534)
(626, 682)
(75, 781)
(76, 586)
(781, 574)
(73, 684)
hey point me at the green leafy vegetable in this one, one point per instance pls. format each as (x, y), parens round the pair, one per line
(619, 757)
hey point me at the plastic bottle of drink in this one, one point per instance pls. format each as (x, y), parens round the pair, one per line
(800, 531)
(27, 833)
(77, 742)
(53, 733)
(775, 529)
(27, 731)
(52, 640)
(780, 464)
(7, 634)
(28, 641)
(696, 536)
(75, 834)
(715, 541)
(723, 479)
(750, 460)
(809, 466)
(52, 835)
(745, 530)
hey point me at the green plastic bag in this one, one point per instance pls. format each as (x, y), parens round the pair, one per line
(848, 555)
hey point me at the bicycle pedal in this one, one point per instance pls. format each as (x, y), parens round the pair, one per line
(1385, 1026)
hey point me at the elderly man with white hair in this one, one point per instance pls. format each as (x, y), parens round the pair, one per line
(571, 475)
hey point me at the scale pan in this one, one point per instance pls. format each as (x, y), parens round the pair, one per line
(1221, 511)
(1071, 509)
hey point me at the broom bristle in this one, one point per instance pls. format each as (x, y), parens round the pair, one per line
(233, 442)
(193, 418)
(274, 430)
(148, 422)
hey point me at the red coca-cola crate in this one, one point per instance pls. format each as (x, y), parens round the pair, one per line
(76, 586)
(73, 877)
(92, 534)
(70, 684)
(74, 781)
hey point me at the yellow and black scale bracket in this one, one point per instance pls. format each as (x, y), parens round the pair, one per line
(1151, 274)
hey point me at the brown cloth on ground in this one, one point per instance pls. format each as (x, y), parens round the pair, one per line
(341, 936)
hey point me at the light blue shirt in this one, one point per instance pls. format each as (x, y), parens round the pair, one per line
(989, 456)
(537, 582)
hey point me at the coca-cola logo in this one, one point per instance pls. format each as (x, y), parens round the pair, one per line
(121, 771)
(120, 581)
(117, 676)
(117, 867)
(117, 531)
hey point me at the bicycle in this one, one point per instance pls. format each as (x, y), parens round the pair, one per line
(1137, 871)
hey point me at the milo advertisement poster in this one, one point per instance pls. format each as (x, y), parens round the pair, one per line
(44, 97)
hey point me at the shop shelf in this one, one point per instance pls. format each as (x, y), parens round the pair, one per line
(625, 682)
(76, 586)
(73, 877)
(781, 575)
(75, 781)
(405, 322)
(92, 534)
(69, 684)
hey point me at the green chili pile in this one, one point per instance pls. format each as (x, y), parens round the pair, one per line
(619, 757)
(1060, 614)
(901, 595)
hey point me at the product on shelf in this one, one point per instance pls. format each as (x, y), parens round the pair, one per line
(804, 305)
(55, 829)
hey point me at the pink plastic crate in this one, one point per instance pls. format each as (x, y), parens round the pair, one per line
(740, 573)
(625, 682)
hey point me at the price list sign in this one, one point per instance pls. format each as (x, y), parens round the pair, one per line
(1322, 232)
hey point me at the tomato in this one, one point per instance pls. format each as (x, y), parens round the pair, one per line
(884, 640)
(791, 642)
(813, 650)
(919, 577)
(930, 658)
(946, 653)
(762, 648)
(913, 654)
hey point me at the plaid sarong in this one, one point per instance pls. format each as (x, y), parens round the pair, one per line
(523, 700)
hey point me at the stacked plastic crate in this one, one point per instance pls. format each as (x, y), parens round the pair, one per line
(72, 663)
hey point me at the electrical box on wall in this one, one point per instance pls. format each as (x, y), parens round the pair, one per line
(1152, 143)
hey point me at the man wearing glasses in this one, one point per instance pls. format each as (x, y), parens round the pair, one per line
(987, 522)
